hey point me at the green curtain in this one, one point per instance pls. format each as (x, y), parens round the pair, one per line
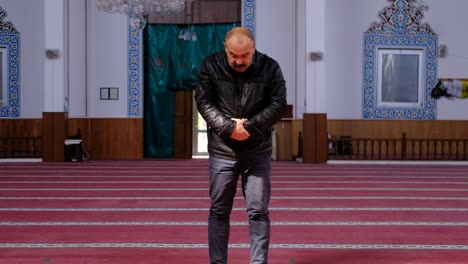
(173, 54)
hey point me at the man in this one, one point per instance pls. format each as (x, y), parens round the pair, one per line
(241, 94)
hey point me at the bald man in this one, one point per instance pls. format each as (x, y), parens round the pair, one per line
(241, 94)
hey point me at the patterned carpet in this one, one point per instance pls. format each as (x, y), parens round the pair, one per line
(155, 211)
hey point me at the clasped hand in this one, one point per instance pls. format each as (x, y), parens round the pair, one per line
(239, 132)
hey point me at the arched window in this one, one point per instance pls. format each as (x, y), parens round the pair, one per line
(400, 64)
(9, 68)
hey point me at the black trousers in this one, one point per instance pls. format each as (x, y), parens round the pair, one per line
(256, 188)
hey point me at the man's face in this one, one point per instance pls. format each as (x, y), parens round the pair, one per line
(239, 53)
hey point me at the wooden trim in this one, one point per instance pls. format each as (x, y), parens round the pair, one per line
(122, 138)
(448, 79)
(183, 125)
(283, 139)
(386, 129)
(54, 133)
(315, 142)
(110, 138)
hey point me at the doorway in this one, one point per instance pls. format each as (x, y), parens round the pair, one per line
(189, 136)
(199, 136)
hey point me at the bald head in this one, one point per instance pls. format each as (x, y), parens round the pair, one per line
(238, 33)
(239, 45)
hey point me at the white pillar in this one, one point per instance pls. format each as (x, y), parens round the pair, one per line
(316, 69)
(56, 70)
(311, 28)
(301, 59)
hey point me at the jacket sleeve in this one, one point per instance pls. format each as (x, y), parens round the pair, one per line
(206, 97)
(263, 121)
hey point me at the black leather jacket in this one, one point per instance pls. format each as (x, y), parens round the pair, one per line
(258, 94)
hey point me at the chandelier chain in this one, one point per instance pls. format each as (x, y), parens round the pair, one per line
(137, 10)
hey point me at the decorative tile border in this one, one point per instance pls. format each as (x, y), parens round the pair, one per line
(135, 74)
(248, 19)
(400, 27)
(10, 38)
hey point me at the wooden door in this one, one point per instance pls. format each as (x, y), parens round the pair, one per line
(204, 12)
(183, 125)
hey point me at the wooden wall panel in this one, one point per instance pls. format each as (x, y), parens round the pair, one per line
(443, 129)
(283, 140)
(315, 138)
(183, 125)
(287, 135)
(13, 134)
(110, 138)
(204, 12)
(295, 130)
(20, 127)
(84, 125)
(219, 11)
(54, 133)
(122, 138)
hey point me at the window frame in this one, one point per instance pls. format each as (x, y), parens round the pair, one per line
(3, 75)
(420, 77)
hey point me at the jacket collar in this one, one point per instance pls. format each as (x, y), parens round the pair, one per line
(252, 67)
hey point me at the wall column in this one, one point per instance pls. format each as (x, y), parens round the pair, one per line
(55, 116)
(310, 46)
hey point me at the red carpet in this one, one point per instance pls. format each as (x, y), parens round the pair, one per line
(155, 211)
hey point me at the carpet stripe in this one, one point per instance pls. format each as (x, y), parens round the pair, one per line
(233, 223)
(202, 173)
(237, 198)
(273, 189)
(272, 246)
(206, 182)
(274, 177)
(234, 209)
(382, 209)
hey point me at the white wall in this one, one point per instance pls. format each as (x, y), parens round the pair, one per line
(28, 18)
(315, 78)
(56, 68)
(448, 20)
(107, 62)
(346, 21)
(276, 36)
(77, 45)
(335, 83)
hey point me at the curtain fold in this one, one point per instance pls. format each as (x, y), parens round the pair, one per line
(172, 55)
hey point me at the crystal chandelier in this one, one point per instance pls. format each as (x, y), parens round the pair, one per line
(137, 10)
(419, 5)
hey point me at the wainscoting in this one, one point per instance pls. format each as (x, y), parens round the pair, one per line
(386, 129)
(398, 140)
(110, 138)
(102, 138)
(122, 138)
(20, 138)
(288, 131)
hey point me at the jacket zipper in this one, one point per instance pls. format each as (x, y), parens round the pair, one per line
(239, 95)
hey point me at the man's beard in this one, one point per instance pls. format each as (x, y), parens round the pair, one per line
(237, 67)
